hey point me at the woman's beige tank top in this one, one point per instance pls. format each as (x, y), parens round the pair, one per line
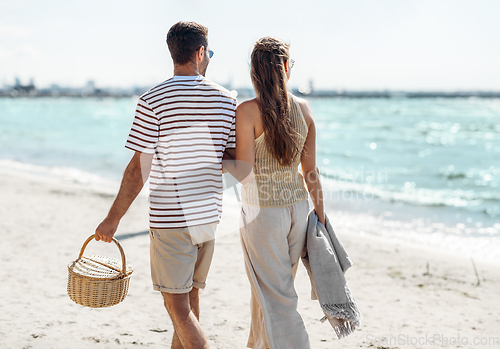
(275, 185)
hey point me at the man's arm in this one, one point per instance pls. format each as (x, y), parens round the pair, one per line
(239, 162)
(229, 154)
(136, 174)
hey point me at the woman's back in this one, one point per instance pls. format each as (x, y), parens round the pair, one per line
(274, 134)
(274, 184)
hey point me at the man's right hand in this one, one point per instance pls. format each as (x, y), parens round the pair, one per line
(106, 230)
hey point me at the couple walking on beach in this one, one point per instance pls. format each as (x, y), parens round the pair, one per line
(187, 130)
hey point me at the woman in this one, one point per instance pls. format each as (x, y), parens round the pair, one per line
(274, 134)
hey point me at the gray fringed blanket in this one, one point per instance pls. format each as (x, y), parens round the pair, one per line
(326, 261)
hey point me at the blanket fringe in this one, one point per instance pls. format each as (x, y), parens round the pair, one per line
(348, 312)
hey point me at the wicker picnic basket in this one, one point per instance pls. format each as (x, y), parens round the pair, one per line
(97, 281)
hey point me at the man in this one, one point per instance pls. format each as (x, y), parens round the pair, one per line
(180, 131)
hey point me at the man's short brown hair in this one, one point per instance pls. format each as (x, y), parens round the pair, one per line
(184, 38)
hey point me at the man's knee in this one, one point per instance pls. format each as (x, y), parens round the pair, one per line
(176, 303)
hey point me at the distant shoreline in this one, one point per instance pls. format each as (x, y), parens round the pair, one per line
(248, 92)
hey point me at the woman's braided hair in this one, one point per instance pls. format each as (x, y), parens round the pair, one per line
(268, 60)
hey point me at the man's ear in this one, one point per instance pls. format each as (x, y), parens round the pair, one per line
(200, 53)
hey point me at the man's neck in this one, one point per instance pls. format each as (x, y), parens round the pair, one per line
(188, 69)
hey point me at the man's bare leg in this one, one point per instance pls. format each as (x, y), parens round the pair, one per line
(184, 311)
(194, 303)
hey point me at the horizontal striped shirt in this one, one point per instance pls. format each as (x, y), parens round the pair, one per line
(187, 122)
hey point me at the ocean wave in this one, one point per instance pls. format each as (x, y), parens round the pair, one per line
(451, 175)
(70, 174)
(474, 177)
(455, 198)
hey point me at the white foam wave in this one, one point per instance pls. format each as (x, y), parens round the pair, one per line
(66, 173)
(458, 198)
(480, 243)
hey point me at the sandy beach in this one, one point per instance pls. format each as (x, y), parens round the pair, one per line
(409, 296)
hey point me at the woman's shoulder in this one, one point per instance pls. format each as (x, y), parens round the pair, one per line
(305, 107)
(248, 109)
(248, 105)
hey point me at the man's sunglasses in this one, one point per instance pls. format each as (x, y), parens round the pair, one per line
(210, 53)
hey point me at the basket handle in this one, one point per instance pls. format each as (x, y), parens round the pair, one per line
(124, 263)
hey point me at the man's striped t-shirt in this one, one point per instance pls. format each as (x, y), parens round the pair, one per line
(186, 122)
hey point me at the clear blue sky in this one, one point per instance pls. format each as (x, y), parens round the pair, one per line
(359, 44)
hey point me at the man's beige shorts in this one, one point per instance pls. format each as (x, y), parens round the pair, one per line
(176, 264)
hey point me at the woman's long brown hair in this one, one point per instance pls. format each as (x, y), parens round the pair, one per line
(268, 61)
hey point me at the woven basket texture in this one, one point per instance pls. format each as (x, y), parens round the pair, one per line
(98, 281)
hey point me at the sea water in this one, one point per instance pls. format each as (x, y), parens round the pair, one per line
(434, 158)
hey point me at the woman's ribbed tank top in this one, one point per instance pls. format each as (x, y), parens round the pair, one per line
(275, 185)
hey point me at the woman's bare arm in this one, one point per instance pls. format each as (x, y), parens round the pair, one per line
(308, 162)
